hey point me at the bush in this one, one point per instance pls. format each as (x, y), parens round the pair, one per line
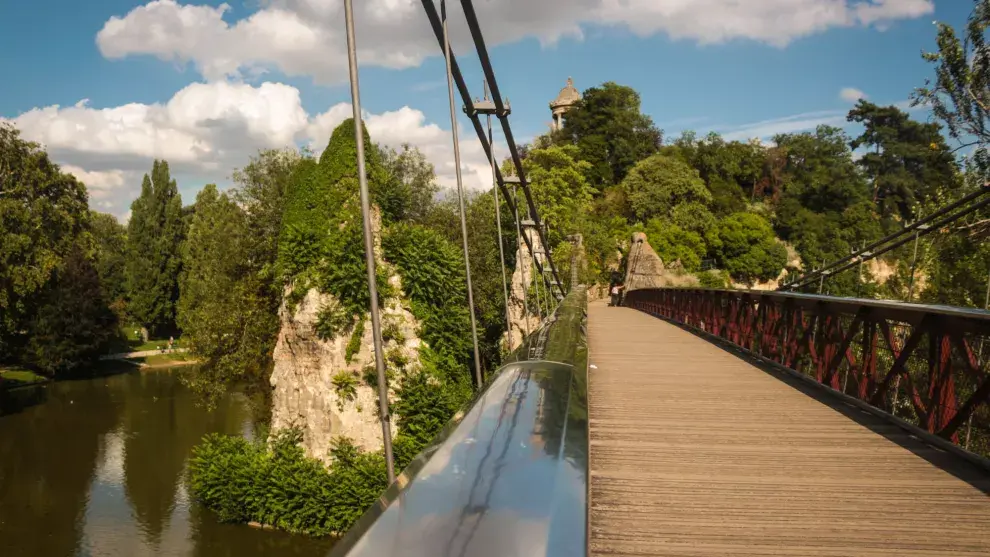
(354, 345)
(332, 320)
(427, 401)
(392, 331)
(714, 279)
(346, 386)
(275, 484)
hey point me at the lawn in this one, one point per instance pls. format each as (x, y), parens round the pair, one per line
(19, 377)
(133, 343)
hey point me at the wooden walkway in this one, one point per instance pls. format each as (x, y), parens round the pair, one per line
(695, 451)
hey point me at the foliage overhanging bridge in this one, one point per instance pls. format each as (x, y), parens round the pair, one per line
(699, 421)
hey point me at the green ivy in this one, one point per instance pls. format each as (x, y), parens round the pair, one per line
(332, 320)
(433, 278)
(354, 345)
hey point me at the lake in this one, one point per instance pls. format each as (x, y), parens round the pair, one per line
(97, 467)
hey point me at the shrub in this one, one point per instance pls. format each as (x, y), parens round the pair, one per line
(392, 331)
(346, 386)
(354, 345)
(274, 483)
(396, 359)
(428, 399)
(332, 320)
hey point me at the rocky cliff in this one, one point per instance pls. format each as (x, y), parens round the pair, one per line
(310, 384)
(523, 275)
(645, 269)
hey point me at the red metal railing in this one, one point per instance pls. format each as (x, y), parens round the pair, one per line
(924, 364)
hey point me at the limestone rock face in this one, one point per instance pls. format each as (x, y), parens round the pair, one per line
(645, 269)
(523, 275)
(304, 394)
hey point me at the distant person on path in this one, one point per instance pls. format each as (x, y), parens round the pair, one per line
(616, 293)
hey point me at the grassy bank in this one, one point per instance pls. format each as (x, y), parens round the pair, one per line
(14, 377)
(164, 360)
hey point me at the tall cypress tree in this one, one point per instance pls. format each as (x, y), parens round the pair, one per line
(154, 235)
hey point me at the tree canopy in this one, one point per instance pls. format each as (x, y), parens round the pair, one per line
(611, 133)
(909, 162)
(154, 235)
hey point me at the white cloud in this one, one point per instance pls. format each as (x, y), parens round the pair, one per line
(305, 37)
(851, 94)
(807, 121)
(101, 184)
(767, 129)
(207, 129)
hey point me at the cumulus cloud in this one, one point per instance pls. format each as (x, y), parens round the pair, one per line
(207, 129)
(851, 94)
(305, 37)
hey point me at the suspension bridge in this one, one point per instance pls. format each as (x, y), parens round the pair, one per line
(697, 422)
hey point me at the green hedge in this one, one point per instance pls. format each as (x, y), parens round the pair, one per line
(275, 484)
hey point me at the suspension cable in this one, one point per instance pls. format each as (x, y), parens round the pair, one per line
(498, 227)
(369, 246)
(460, 195)
(472, 110)
(921, 227)
(835, 268)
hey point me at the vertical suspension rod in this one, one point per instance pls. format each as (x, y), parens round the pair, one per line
(460, 195)
(369, 244)
(498, 227)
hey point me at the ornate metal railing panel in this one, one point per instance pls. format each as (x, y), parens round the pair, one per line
(924, 364)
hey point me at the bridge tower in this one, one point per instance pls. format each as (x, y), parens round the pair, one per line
(565, 100)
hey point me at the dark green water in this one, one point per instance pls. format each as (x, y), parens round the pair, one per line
(96, 467)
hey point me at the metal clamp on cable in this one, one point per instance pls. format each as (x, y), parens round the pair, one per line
(480, 107)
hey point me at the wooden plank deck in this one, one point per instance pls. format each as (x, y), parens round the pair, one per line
(697, 452)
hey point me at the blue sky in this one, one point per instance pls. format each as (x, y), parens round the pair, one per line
(205, 84)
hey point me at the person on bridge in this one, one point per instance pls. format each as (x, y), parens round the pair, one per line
(616, 294)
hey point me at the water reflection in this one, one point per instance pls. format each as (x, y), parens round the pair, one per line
(95, 467)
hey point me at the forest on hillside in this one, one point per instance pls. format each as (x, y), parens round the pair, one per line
(730, 213)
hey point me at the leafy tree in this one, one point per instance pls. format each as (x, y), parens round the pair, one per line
(611, 132)
(819, 172)
(673, 243)
(154, 236)
(732, 170)
(73, 322)
(960, 93)
(749, 251)
(908, 161)
(42, 212)
(412, 179)
(217, 304)
(262, 186)
(110, 246)
(655, 186)
(560, 190)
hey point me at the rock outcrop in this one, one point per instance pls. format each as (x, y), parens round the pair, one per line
(523, 275)
(645, 269)
(306, 366)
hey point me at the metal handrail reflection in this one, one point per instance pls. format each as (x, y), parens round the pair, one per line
(531, 419)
